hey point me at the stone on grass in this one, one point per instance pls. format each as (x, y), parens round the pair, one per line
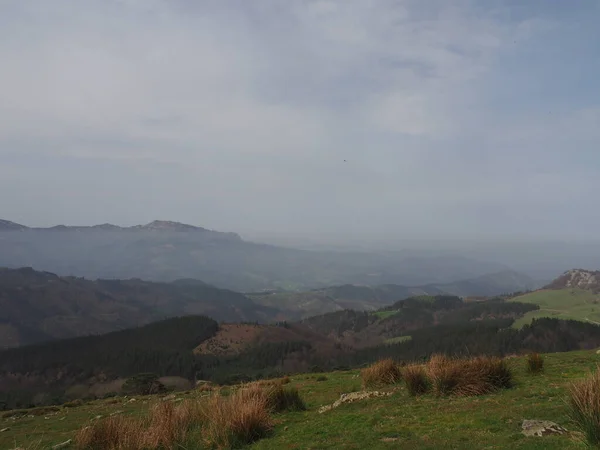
(541, 428)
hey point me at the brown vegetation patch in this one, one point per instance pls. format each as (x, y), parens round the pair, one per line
(222, 421)
(415, 377)
(230, 339)
(381, 373)
(474, 376)
(584, 406)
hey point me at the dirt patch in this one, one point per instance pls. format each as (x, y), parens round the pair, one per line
(230, 339)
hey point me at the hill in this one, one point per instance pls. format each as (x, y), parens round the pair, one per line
(166, 251)
(578, 278)
(299, 305)
(191, 347)
(197, 348)
(573, 295)
(394, 421)
(38, 306)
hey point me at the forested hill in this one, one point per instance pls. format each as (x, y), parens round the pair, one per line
(300, 305)
(38, 306)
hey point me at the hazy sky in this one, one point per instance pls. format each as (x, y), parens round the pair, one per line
(358, 117)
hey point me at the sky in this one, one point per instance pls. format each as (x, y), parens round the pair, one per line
(345, 119)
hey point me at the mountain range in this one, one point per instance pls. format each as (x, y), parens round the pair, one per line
(166, 251)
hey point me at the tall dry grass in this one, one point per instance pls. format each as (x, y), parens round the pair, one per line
(474, 376)
(584, 406)
(416, 379)
(224, 422)
(112, 433)
(239, 419)
(381, 373)
(535, 363)
(444, 374)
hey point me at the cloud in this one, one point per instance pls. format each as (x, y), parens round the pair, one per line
(440, 111)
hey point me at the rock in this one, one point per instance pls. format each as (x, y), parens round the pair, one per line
(353, 397)
(4, 429)
(131, 400)
(62, 445)
(98, 417)
(169, 397)
(541, 428)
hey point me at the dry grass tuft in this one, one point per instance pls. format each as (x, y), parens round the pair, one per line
(465, 377)
(166, 427)
(237, 420)
(535, 363)
(277, 397)
(169, 424)
(112, 433)
(584, 406)
(226, 421)
(444, 374)
(381, 373)
(416, 379)
(284, 398)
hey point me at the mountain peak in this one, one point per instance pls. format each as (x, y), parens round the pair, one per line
(577, 278)
(7, 225)
(167, 225)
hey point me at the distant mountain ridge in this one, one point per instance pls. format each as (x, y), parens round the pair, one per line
(166, 251)
(156, 225)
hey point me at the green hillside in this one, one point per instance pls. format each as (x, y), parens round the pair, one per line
(397, 421)
(569, 303)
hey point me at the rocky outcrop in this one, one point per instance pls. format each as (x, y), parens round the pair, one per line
(541, 428)
(577, 278)
(353, 397)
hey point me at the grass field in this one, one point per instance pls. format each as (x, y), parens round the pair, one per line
(575, 304)
(399, 421)
(385, 314)
(398, 340)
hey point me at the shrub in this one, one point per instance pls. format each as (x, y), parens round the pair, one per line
(73, 403)
(584, 406)
(321, 378)
(143, 384)
(535, 363)
(416, 379)
(381, 373)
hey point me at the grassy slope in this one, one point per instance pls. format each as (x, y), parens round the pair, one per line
(399, 421)
(575, 304)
